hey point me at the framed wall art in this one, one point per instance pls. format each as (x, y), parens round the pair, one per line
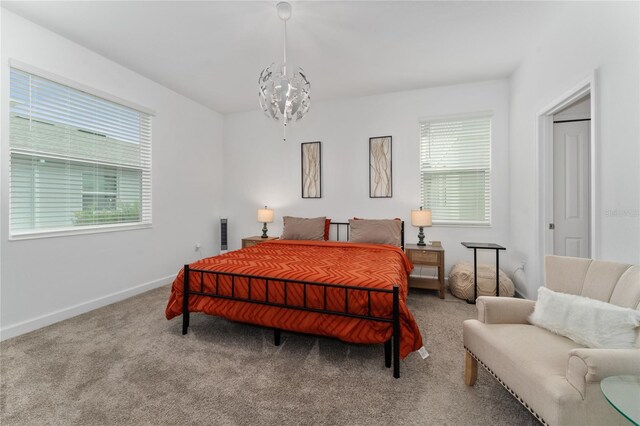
(380, 178)
(311, 155)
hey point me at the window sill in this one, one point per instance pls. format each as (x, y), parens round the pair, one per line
(462, 225)
(67, 232)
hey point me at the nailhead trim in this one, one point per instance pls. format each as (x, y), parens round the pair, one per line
(540, 419)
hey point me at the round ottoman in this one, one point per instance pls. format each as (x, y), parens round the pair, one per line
(461, 281)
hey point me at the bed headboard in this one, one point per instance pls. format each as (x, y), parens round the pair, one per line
(342, 225)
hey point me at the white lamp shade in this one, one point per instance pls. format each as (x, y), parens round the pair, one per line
(265, 215)
(421, 217)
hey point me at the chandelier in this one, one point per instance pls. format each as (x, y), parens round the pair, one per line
(284, 98)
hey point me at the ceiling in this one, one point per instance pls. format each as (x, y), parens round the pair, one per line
(213, 51)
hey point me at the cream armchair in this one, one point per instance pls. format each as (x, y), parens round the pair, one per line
(557, 379)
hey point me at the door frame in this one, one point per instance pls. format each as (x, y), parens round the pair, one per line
(544, 121)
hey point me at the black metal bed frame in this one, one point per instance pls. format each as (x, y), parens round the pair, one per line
(391, 345)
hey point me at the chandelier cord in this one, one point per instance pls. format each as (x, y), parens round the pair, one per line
(284, 61)
(284, 72)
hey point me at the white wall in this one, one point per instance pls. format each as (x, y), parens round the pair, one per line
(593, 36)
(262, 169)
(46, 280)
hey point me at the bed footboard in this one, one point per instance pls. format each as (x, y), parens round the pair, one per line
(391, 347)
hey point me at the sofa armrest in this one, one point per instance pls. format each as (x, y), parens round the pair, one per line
(504, 310)
(592, 365)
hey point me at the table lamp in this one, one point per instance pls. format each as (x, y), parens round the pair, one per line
(421, 218)
(265, 216)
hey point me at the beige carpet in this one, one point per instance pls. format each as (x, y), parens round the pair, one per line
(126, 364)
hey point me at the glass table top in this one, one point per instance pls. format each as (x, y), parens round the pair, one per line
(623, 393)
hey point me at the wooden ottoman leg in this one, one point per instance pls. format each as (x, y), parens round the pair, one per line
(470, 369)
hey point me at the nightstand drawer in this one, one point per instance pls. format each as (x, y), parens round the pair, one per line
(254, 241)
(424, 256)
(246, 243)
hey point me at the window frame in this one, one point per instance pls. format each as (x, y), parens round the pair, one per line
(488, 114)
(84, 229)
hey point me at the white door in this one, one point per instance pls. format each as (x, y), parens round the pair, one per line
(571, 188)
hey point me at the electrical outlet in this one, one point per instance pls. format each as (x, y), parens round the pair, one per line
(198, 246)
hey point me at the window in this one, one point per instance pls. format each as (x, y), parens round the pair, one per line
(455, 170)
(77, 161)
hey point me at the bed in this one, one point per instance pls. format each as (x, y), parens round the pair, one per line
(350, 291)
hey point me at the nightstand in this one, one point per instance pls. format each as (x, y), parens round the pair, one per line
(427, 256)
(253, 241)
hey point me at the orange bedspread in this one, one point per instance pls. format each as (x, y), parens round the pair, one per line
(363, 265)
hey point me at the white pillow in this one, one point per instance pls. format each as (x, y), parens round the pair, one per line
(589, 322)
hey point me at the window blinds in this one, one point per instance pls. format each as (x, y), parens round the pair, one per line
(76, 159)
(455, 170)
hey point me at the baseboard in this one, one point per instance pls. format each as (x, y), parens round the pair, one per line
(63, 314)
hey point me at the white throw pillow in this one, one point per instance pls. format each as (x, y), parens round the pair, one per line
(589, 322)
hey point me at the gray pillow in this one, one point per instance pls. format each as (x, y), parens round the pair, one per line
(375, 231)
(300, 228)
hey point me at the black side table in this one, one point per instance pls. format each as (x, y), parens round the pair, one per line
(484, 246)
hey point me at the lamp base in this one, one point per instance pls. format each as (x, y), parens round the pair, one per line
(264, 231)
(421, 242)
